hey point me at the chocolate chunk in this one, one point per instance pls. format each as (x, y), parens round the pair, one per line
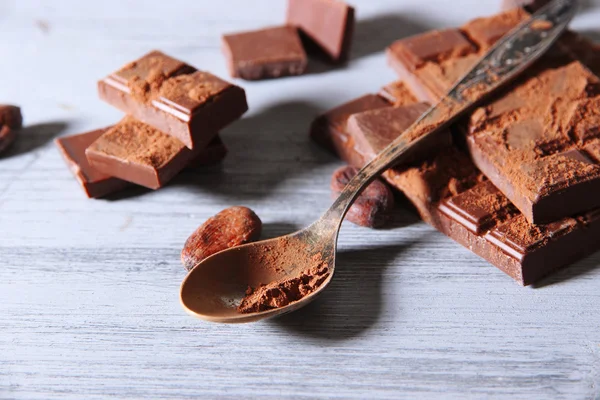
(323, 127)
(266, 53)
(397, 94)
(174, 98)
(478, 208)
(529, 5)
(453, 196)
(421, 51)
(434, 46)
(138, 153)
(373, 130)
(327, 23)
(11, 121)
(97, 184)
(485, 32)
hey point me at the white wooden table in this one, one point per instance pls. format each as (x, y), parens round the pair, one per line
(89, 288)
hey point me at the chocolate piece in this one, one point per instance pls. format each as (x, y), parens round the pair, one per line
(174, 98)
(266, 53)
(373, 130)
(525, 139)
(529, 5)
(414, 53)
(532, 151)
(97, 184)
(397, 94)
(485, 32)
(11, 121)
(455, 198)
(139, 153)
(329, 129)
(327, 23)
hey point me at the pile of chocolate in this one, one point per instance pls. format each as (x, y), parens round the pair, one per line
(316, 26)
(518, 180)
(174, 114)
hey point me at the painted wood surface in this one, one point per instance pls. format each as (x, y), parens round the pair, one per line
(89, 288)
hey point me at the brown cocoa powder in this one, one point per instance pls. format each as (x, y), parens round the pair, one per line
(285, 257)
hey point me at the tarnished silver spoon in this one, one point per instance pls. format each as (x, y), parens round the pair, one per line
(213, 288)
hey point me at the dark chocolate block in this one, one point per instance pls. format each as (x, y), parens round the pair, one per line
(528, 139)
(266, 53)
(327, 23)
(174, 98)
(455, 198)
(97, 184)
(139, 153)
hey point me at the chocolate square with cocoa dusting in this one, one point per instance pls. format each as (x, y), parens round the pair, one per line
(97, 184)
(138, 153)
(174, 97)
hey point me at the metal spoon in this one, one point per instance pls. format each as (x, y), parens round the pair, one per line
(214, 287)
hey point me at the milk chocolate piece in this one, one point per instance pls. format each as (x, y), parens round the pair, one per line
(455, 198)
(327, 23)
(528, 139)
(11, 121)
(139, 153)
(529, 5)
(266, 53)
(329, 129)
(397, 94)
(97, 184)
(174, 98)
(485, 32)
(373, 130)
(417, 52)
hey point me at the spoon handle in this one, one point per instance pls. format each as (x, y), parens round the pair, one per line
(501, 64)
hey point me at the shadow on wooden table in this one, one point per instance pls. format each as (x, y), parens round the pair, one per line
(265, 150)
(33, 137)
(372, 35)
(353, 301)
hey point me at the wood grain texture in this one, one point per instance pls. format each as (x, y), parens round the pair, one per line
(89, 289)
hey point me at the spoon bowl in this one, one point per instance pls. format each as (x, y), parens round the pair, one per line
(215, 287)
